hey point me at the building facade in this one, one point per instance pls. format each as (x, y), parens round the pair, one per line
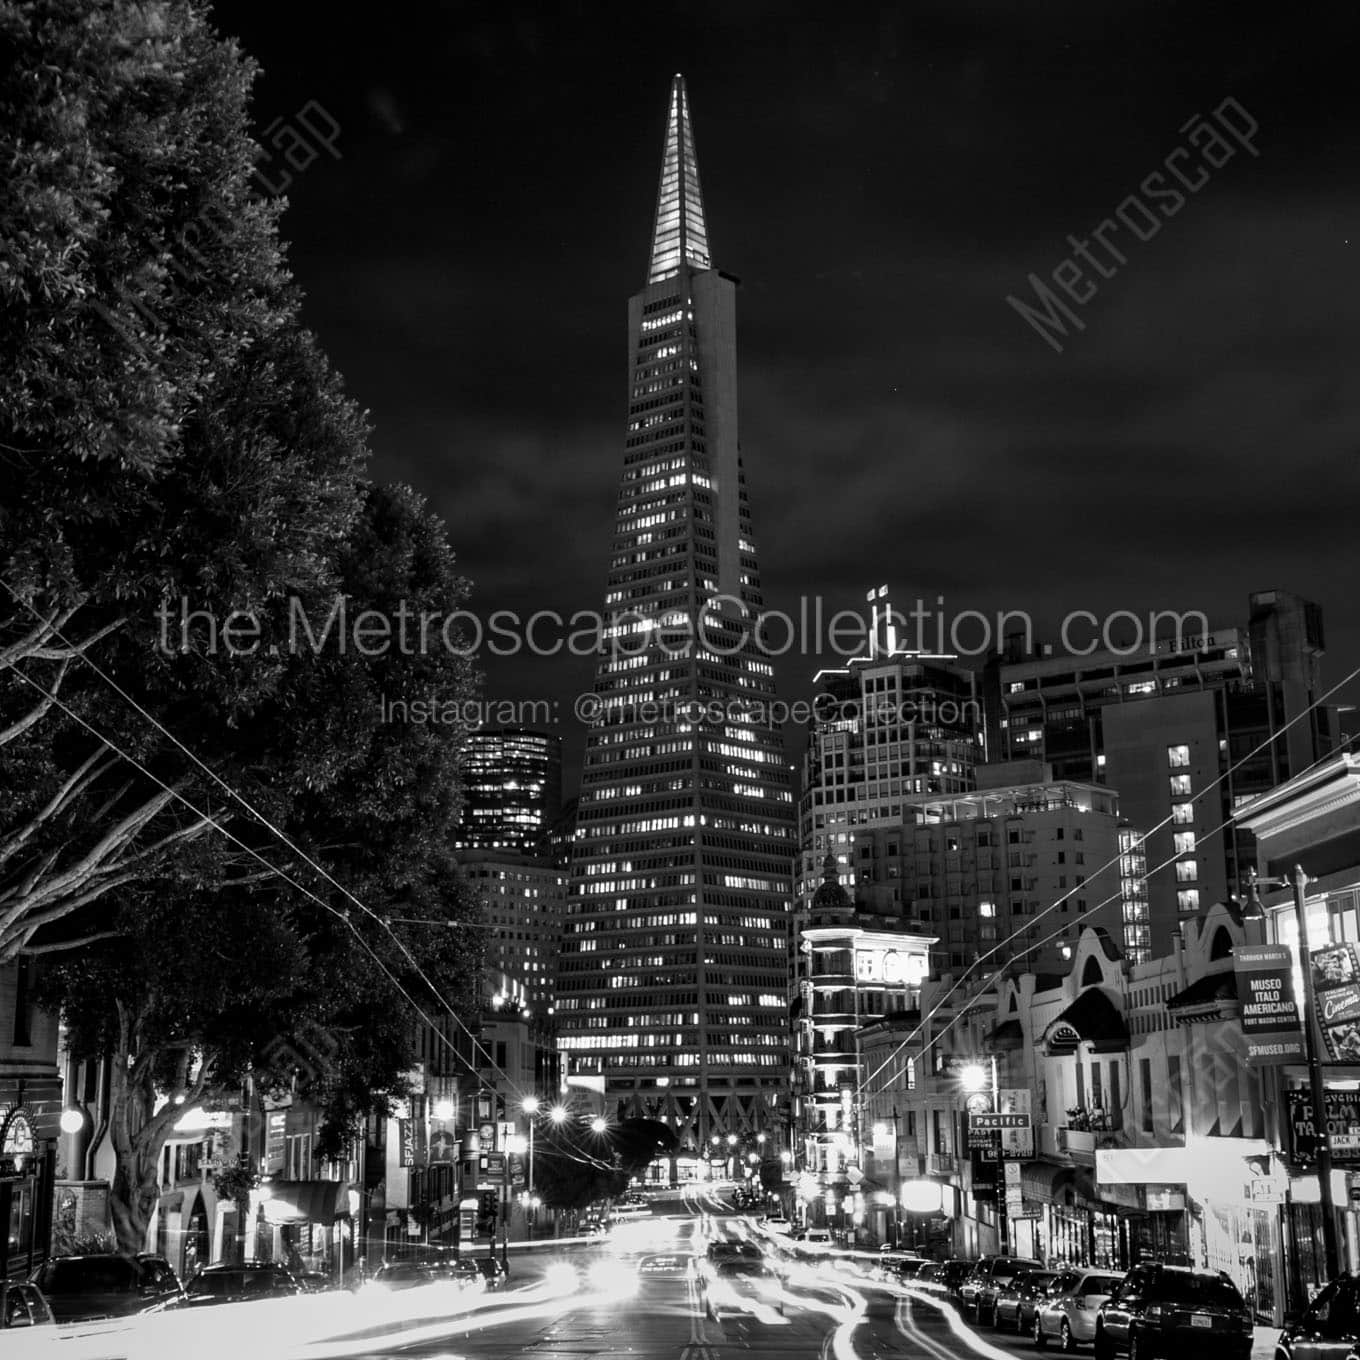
(672, 983)
(1025, 858)
(890, 728)
(1165, 725)
(523, 900)
(512, 789)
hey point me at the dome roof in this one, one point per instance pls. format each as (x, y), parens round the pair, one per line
(831, 896)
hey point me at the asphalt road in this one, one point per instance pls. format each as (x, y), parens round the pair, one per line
(615, 1311)
(572, 1301)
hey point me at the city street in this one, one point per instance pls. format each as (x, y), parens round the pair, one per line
(827, 1311)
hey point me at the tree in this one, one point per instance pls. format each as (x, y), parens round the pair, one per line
(167, 432)
(194, 832)
(212, 975)
(577, 1166)
(637, 1143)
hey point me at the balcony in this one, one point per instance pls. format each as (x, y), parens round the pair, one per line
(1078, 1144)
(941, 1164)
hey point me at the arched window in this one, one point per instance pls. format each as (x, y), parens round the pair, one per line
(1092, 975)
(1222, 945)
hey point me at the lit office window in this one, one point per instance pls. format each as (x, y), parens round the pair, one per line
(1178, 757)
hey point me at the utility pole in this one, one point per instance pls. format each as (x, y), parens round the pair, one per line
(1316, 1086)
(1002, 1218)
(1317, 1092)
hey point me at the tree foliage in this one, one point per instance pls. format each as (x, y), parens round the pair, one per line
(167, 431)
(235, 860)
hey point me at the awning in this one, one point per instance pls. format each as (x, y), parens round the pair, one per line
(1212, 1168)
(1215, 990)
(305, 1202)
(1092, 1018)
(1007, 1037)
(1044, 1182)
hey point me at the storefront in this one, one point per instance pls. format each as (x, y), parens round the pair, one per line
(312, 1225)
(1230, 1189)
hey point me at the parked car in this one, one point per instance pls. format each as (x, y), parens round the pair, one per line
(1016, 1304)
(1329, 1328)
(986, 1281)
(81, 1288)
(817, 1236)
(22, 1305)
(952, 1275)
(223, 1283)
(409, 1274)
(1067, 1314)
(930, 1279)
(899, 1267)
(1161, 1310)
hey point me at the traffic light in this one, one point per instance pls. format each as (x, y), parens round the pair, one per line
(488, 1204)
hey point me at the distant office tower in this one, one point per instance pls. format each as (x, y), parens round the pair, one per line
(890, 726)
(1160, 726)
(523, 898)
(512, 789)
(673, 982)
(1010, 872)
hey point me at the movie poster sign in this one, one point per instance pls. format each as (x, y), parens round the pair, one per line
(1336, 984)
(1270, 1015)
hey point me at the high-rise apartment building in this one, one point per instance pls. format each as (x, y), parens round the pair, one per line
(1012, 871)
(1165, 726)
(522, 898)
(512, 789)
(889, 728)
(673, 975)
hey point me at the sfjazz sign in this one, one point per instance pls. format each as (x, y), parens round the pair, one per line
(889, 965)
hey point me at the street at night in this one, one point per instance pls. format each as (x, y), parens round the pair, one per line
(678, 683)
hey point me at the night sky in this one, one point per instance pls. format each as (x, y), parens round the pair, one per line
(880, 181)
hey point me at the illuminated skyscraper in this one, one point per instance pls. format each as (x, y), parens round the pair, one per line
(512, 789)
(672, 982)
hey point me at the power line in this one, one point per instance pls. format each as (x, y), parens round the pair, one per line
(307, 892)
(1142, 840)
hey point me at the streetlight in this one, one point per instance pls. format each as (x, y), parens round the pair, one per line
(599, 1124)
(974, 1079)
(1317, 1093)
(558, 1114)
(530, 1107)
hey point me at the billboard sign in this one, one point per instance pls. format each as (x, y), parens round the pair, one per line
(1270, 1015)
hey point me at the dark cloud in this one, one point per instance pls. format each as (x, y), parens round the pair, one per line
(880, 182)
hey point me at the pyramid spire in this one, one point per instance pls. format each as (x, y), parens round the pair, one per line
(680, 234)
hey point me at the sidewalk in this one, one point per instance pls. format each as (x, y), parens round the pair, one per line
(1263, 1345)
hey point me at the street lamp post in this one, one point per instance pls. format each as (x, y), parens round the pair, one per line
(530, 1107)
(1316, 1086)
(975, 1079)
(897, 1182)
